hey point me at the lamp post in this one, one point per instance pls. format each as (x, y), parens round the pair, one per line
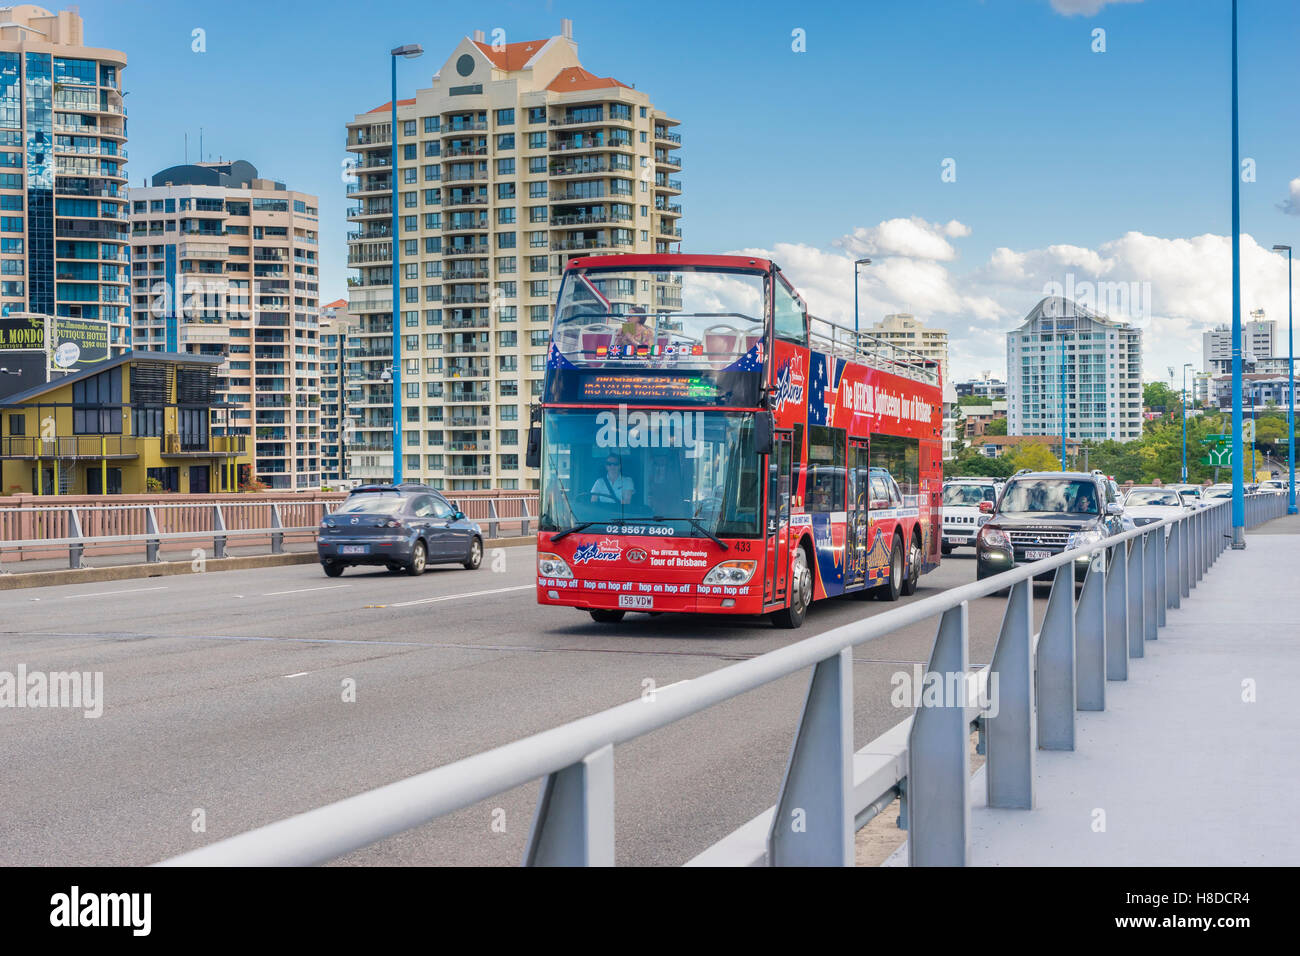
(1238, 488)
(856, 263)
(1290, 383)
(1186, 366)
(408, 51)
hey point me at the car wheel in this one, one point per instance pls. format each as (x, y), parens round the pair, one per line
(891, 589)
(945, 548)
(605, 616)
(800, 594)
(475, 555)
(396, 569)
(419, 559)
(332, 568)
(914, 559)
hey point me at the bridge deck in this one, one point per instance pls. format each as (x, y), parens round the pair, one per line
(1184, 770)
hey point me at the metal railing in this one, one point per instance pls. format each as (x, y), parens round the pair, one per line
(1132, 579)
(77, 528)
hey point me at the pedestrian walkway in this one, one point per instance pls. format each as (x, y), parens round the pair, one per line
(1195, 760)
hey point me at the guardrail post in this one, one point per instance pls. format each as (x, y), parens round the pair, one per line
(1149, 583)
(1090, 638)
(277, 537)
(938, 758)
(524, 523)
(1116, 613)
(218, 539)
(77, 549)
(1173, 566)
(574, 821)
(492, 519)
(1135, 590)
(1055, 666)
(813, 824)
(1159, 550)
(1185, 557)
(1010, 723)
(151, 527)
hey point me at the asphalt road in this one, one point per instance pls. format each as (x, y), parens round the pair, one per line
(224, 706)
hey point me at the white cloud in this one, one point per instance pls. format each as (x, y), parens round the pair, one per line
(1291, 205)
(1176, 288)
(1086, 8)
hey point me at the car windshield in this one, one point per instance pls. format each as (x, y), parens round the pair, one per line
(669, 470)
(1052, 495)
(372, 504)
(1153, 497)
(639, 318)
(1190, 492)
(968, 495)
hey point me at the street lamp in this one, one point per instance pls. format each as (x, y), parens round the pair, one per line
(856, 263)
(1290, 382)
(408, 51)
(1238, 485)
(1186, 366)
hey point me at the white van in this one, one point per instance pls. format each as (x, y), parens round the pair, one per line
(962, 515)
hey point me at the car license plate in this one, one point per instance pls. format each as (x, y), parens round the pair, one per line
(635, 600)
(1037, 555)
(956, 538)
(354, 549)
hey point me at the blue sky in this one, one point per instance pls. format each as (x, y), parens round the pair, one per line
(1060, 151)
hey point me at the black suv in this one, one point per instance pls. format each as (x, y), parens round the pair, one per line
(403, 527)
(1043, 513)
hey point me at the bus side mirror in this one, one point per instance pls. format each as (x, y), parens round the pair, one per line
(764, 427)
(533, 456)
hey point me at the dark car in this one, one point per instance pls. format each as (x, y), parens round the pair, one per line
(1041, 514)
(403, 527)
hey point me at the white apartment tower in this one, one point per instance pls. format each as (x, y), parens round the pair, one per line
(1065, 354)
(224, 263)
(512, 161)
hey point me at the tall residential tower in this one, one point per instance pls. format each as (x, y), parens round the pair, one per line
(513, 161)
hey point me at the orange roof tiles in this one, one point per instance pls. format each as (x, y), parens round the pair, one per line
(389, 105)
(336, 304)
(512, 56)
(576, 78)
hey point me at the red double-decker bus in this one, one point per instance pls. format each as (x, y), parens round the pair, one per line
(707, 446)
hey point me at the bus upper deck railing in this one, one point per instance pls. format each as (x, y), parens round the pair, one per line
(829, 790)
(872, 350)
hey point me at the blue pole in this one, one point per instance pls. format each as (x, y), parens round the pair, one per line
(1184, 423)
(397, 339)
(1290, 385)
(1061, 336)
(1239, 457)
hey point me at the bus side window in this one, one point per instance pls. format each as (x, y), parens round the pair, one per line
(791, 323)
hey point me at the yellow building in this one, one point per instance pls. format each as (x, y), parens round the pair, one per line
(141, 423)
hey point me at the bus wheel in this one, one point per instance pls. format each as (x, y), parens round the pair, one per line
(914, 559)
(891, 589)
(800, 593)
(602, 616)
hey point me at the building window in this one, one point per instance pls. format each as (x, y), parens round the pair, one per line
(536, 140)
(506, 167)
(505, 141)
(537, 114)
(505, 117)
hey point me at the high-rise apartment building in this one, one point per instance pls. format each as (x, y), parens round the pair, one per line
(1257, 337)
(513, 161)
(224, 263)
(336, 325)
(62, 173)
(1065, 354)
(907, 331)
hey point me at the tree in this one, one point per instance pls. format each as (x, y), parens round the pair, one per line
(1159, 397)
(972, 464)
(1034, 456)
(997, 426)
(974, 400)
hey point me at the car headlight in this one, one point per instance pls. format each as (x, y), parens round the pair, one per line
(552, 566)
(1082, 539)
(995, 538)
(731, 572)
(327, 523)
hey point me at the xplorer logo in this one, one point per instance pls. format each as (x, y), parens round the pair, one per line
(607, 549)
(789, 383)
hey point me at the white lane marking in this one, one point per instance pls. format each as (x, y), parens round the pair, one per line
(71, 597)
(469, 594)
(330, 587)
(299, 674)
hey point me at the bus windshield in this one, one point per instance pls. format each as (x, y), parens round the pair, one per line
(648, 318)
(689, 473)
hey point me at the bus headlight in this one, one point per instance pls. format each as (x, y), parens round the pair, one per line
(552, 566)
(731, 572)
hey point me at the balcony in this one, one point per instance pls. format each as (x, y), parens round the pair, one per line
(579, 219)
(668, 185)
(475, 249)
(468, 298)
(469, 421)
(595, 195)
(662, 134)
(462, 274)
(482, 445)
(475, 323)
(465, 151)
(453, 200)
(465, 224)
(375, 231)
(590, 167)
(669, 209)
(465, 126)
(483, 471)
(464, 175)
(669, 161)
(469, 396)
(466, 348)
